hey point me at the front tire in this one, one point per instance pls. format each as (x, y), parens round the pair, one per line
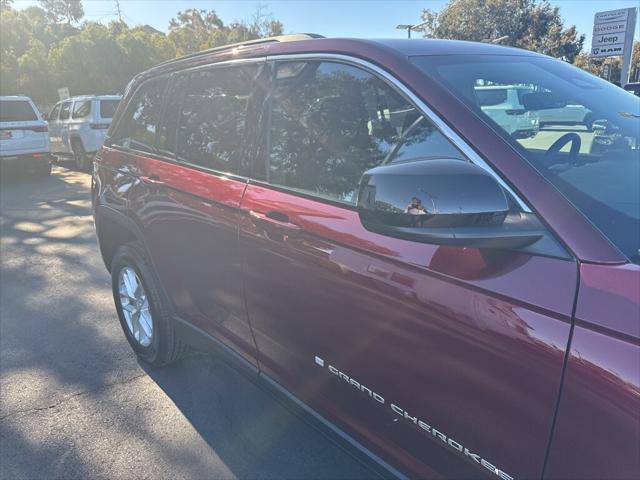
(143, 311)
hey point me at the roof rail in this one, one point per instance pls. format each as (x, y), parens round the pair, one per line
(280, 38)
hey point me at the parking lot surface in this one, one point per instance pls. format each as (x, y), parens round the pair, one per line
(75, 402)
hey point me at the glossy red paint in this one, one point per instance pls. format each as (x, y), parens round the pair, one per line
(609, 298)
(586, 242)
(190, 223)
(598, 428)
(469, 342)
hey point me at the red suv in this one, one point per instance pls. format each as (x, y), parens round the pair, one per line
(346, 220)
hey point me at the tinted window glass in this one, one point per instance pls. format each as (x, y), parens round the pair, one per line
(581, 132)
(331, 122)
(81, 109)
(108, 108)
(53, 116)
(169, 124)
(65, 111)
(211, 130)
(16, 111)
(138, 128)
(491, 96)
(423, 141)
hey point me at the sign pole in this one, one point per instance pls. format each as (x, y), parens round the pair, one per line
(628, 48)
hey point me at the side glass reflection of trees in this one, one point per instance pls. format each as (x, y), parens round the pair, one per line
(331, 122)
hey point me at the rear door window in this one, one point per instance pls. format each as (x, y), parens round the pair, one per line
(81, 109)
(137, 130)
(108, 108)
(65, 111)
(212, 125)
(17, 111)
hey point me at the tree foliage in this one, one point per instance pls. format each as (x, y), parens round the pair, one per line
(193, 30)
(57, 11)
(529, 24)
(42, 48)
(596, 65)
(5, 5)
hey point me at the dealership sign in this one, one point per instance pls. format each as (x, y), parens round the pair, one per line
(613, 32)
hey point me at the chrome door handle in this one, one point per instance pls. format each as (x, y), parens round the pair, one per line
(280, 222)
(152, 180)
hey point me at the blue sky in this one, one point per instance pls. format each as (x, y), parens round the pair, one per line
(332, 18)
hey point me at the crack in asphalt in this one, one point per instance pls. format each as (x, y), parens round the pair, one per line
(105, 386)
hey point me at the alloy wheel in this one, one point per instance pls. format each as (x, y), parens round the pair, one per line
(135, 306)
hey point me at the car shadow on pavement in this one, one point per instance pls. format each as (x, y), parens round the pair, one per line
(249, 429)
(52, 343)
(75, 402)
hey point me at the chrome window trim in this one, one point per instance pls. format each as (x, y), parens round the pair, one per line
(224, 63)
(395, 83)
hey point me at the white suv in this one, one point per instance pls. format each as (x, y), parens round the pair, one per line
(503, 104)
(79, 125)
(24, 138)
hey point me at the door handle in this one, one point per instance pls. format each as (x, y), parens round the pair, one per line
(151, 180)
(279, 221)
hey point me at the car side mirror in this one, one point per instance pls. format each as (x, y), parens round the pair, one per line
(443, 202)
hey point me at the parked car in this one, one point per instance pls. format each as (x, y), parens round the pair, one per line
(503, 104)
(79, 125)
(567, 115)
(633, 87)
(24, 137)
(343, 220)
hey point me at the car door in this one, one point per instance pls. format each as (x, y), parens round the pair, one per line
(63, 127)
(54, 128)
(601, 391)
(444, 360)
(188, 200)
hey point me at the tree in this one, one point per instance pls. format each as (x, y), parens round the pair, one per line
(528, 24)
(191, 31)
(635, 61)
(59, 10)
(98, 61)
(41, 49)
(34, 76)
(596, 65)
(194, 30)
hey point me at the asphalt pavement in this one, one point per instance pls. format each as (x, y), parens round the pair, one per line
(74, 400)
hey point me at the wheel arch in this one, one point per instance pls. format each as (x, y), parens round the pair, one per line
(74, 138)
(113, 230)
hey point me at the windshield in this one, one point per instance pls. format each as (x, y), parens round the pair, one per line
(16, 111)
(581, 132)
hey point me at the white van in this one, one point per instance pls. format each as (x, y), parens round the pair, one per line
(24, 136)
